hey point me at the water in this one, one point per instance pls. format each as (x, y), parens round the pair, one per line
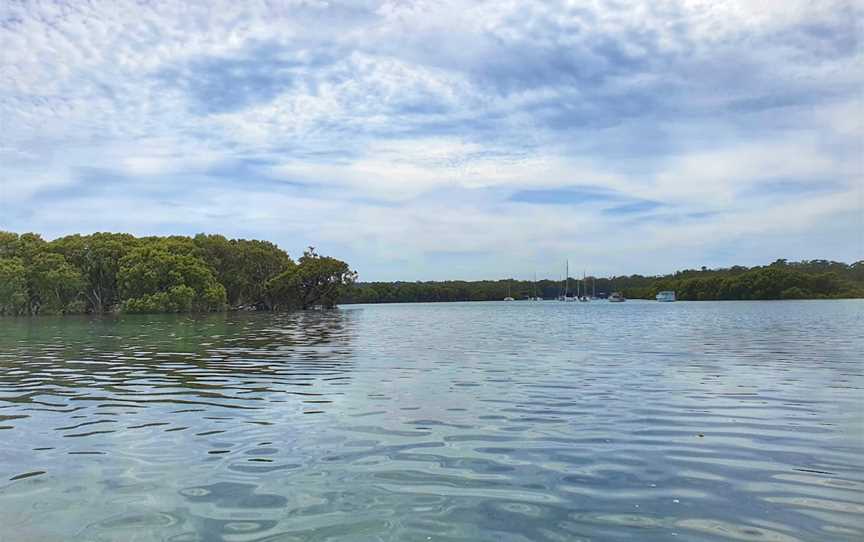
(476, 421)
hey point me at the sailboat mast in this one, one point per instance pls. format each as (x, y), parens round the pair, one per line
(567, 280)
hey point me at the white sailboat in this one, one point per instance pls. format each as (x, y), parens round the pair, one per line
(566, 296)
(562, 292)
(534, 296)
(615, 297)
(584, 297)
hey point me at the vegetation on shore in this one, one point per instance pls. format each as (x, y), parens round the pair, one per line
(813, 279)
(109, 272)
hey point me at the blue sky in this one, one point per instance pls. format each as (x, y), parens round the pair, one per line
(433, 140)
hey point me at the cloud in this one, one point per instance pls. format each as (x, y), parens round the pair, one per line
(420, 139)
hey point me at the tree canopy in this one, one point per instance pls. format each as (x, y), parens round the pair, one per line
(315, 281)
(106, 272)
(153, 279)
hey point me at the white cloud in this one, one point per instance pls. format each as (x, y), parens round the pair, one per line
(410, 124)
(714, 177)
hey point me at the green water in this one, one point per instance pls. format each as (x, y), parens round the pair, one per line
(466, 421)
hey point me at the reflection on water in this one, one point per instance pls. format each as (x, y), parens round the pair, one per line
(482, 421)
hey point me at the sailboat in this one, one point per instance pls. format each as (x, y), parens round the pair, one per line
(584, 296)
(534, 296)
(616, 297)
(562, 291)
(566, 296)
(509, 297)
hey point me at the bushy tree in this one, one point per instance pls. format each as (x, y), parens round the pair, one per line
(8, 244)
(28, 246)
(153, 279)
(54, 285)
(315, 281)
(242, 266)
(13, 286)
(98, 257)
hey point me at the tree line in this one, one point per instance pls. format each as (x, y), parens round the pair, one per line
(111, 272)
(809, 279)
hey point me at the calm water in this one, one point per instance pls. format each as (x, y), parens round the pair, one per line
(484, 421)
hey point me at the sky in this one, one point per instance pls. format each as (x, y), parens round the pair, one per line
(444, 140)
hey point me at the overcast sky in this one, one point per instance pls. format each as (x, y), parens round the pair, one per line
(433, 140)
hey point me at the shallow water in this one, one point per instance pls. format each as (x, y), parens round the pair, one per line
(465, 421)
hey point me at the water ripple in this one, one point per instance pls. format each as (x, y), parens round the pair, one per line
(484, 421)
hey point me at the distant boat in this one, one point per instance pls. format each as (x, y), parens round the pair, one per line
(666, 296)
(534, 296)
(584, 297)
(508, 298)
(617, 297)
(566, 285)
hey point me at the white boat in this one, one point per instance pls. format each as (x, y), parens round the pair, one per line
(665, 296)
(617, 297)
(566, 285)
(534, 296)
(509, 297)
(584, 297)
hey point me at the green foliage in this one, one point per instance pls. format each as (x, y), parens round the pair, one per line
(105, 272)
(98, 257)
(242, 266)
(283, 290)
(54, 285)
(175, 244)
(817, 279)
(8, 244)
(795, 293)
(13, 285)
(315, 281)
(25, 246)
(51, 283)
(152, 278)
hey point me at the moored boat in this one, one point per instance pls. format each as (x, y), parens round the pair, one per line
(617, 297)
(665, 296)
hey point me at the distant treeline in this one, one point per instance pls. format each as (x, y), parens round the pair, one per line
(813, 279)
(109, 272)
